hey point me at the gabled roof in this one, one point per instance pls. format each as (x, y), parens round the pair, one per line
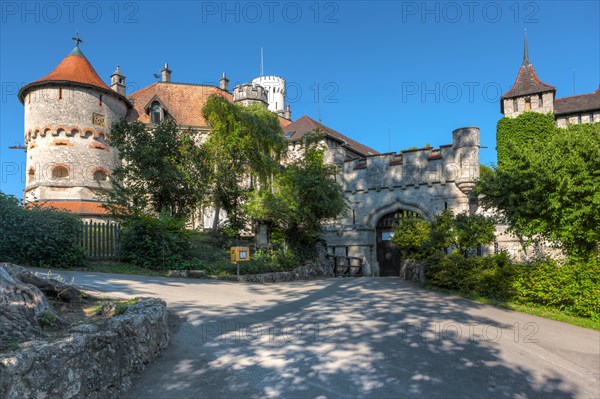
(577, 104)
(74, 68)
(184, 101)
(305, 125)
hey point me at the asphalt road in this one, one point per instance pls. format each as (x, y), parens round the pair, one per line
(352, 338)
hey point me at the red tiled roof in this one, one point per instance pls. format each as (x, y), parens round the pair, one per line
(77, 207)
(579, 103)
(183, 101)
(73, 68)
(527, 83)
(305, 125)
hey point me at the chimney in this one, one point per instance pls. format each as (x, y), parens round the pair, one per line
(224, 83)
(117, 82)
(288, 113)
(166, 73)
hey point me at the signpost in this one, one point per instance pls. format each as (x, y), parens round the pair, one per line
(239, 254)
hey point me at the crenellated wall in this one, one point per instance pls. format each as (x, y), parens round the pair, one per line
(425, 181)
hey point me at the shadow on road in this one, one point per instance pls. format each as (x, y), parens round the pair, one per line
(342, 338)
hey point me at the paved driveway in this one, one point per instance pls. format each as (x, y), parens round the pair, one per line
(353, 338)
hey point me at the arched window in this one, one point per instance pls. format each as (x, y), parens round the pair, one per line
(31, 174)
(155, 113)
(100, 175)
(60, 172)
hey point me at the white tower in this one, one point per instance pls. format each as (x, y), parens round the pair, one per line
(275, 87)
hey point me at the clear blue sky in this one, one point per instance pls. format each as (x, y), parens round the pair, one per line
(417, 69)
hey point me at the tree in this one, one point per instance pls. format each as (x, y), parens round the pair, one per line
(410, 235)
(304, 195)
(161, 171)
(471, 231)
(548, 186)
(245, 143)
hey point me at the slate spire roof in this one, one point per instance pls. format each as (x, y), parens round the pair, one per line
(527, 81)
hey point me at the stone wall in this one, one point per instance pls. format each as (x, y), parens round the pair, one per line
(425, 181)
(94, 361)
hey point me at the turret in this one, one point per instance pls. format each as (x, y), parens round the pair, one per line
(275, 86)
(528, 93)
(465, 143)
(117, 82)
(67, 117)
(250, 93)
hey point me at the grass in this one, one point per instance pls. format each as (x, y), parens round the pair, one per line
(536, 310)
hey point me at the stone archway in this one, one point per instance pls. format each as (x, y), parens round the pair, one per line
(384, 221)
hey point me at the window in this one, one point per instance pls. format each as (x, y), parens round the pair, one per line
(100, 99)
(515, 105)
(579, 118)
(60, 172)
(155, 113)
(540, 101)
(591, 118)
(100, 175)
(527, 104)
(31, 174)
(60, 93)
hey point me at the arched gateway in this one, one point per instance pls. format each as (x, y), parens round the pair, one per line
(388, 254)
(420, 182)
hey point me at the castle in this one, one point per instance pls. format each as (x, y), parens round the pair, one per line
(69, 158)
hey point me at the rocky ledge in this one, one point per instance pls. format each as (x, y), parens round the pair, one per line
(93, 360)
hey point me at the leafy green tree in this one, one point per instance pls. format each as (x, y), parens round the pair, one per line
(550, 187)
(411, 235)
(161, 172)
(245, 144)
(473, 230)
(304, 195)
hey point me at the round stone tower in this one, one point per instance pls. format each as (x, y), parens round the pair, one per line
(68, 114)
(465, 142)
(275, 87)
(250, 93)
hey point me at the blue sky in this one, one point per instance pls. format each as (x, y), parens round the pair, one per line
(416, 69)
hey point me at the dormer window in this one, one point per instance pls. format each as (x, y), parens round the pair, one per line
(156, 113)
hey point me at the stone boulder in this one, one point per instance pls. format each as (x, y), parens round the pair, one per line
(22, 306)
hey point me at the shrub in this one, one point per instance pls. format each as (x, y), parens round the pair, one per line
(155, 243)
(39, 236)
(573, 287)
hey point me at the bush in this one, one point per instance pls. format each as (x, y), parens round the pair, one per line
(155, 243)
(490, 277)
(39, 236)
(573, 287)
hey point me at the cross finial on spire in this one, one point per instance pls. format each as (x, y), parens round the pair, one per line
(77, 39)
(525, 50)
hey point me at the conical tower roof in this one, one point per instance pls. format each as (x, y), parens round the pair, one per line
(74, 68)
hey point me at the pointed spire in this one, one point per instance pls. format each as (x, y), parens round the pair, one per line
(525, 50)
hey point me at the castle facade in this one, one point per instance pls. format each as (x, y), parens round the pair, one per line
(68, 114)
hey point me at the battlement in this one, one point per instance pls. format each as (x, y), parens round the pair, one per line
(454, 163)
(269, 79)
(249, 93)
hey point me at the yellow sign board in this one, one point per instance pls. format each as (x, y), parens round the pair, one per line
(240, 254)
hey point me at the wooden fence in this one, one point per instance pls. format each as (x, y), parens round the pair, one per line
(101, 240)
